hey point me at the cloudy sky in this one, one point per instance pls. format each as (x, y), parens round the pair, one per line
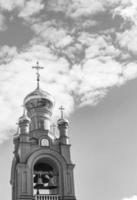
(88, 49)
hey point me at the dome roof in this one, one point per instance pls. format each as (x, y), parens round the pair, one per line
(63, 121)
(39, 94)
(24, 118)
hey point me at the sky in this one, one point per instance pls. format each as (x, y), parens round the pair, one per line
(88, 50)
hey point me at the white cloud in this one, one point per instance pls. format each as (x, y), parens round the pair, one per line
(80, 67)
(31, 8)
(84, 8)
(25, 8)
(130, 71)
(57, 5)
(65, 41)
(98, 46)
(131, 198)
(7, 53)
(11, 4)
(77, 86)
(128, 39)
(127, 9)
(50, 32)
(79, 8)
(76, 8)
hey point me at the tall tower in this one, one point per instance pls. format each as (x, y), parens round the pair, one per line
(42, 168)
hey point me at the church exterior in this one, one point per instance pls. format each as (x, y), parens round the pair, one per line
(42, 168)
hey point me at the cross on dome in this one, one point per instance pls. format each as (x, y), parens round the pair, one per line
(38, 68)
(61, 110)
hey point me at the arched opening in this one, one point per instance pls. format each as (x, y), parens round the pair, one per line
(45, 177)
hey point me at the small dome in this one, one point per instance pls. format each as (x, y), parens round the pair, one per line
(24, 118)
(39, 94)
(62, 122)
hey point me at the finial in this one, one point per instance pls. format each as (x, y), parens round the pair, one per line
(37, 67)
(61, 110)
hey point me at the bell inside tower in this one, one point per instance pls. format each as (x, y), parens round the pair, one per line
(45, 178)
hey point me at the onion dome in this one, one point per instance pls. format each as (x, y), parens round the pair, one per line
(63, 128)
(62, 121)
(24, 119)
(38, 99)
(39, 105)
(24, 122)
(39, 94)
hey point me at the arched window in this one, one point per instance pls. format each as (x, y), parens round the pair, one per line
(45, 178)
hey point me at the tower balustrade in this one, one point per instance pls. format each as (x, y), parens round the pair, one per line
(46, 197)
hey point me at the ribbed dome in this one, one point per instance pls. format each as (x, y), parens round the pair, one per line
(39, 94)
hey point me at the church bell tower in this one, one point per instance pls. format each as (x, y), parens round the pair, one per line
(41, 168)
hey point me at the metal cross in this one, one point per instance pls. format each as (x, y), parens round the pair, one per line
(62, 113)
(38, 68)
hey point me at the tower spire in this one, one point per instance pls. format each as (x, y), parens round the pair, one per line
(38, 68)
(62, 111)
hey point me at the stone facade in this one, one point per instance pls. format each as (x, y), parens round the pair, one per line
(39, 156)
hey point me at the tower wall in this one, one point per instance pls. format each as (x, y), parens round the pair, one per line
(23, 175)
(42, 168)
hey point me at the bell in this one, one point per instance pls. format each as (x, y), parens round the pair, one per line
(45, 178)
(51, 185)
(51, 174)
(39, 184)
